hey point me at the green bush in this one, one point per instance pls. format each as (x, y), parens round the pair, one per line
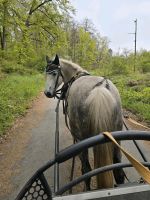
(12, 67)
(118, 65)
(145, 66)
(16, 92)
(37, 63)
(136, 100)
(143, 59)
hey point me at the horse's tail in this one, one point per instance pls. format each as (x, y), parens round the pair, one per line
(102, 105)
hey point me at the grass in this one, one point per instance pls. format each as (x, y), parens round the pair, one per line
(16, 93)
(135, 93)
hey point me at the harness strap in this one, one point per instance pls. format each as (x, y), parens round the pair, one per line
(141, 169)
(59, 73)
(65, 105)
(101, 82)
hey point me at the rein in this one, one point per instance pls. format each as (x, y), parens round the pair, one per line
(62, 96)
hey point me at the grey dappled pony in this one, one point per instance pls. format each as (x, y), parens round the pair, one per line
(93, 106)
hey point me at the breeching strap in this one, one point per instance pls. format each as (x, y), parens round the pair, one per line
(141, 169)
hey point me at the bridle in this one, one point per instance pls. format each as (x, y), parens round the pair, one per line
(61, 93)
(59, 73)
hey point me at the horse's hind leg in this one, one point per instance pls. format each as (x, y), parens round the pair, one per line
(118, 173)
(85, 166)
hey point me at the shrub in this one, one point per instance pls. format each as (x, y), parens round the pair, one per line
(118, 65)
(12, 67)
(16, 92)
(145, 66)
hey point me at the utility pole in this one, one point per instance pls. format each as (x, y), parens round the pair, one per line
(135, 41)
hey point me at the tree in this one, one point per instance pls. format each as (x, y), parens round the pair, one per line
(32, 25)
(4, 21)
(30, 29)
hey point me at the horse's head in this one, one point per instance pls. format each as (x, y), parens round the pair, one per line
(53, 76)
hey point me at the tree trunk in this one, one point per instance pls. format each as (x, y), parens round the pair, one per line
(3, 38)
(3, 32)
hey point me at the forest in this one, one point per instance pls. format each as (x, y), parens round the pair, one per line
(32, 29)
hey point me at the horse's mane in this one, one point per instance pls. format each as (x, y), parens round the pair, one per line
(74, 66)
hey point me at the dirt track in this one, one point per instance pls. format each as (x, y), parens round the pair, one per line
(30, 144)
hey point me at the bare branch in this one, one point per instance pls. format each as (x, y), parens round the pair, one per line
(49, 33)
(32, 10)
(55, 22)
(38, 6)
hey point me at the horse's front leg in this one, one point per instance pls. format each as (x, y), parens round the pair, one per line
(85, 166)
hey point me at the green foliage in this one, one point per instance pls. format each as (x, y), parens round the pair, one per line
(118, 65)
(29, 30)
(86, 49)
(16, 92)
(144, 61)
(85, 46)
(135, 93)
(12, 67)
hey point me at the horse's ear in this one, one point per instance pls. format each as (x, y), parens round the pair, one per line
(47, 59)
(56, 60)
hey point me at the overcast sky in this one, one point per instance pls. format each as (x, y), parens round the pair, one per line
(115, 19)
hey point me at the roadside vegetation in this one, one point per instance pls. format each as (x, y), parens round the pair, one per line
(135, 93)
(32, 29)
(16, 93)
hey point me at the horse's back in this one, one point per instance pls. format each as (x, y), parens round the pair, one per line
(83, 87)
